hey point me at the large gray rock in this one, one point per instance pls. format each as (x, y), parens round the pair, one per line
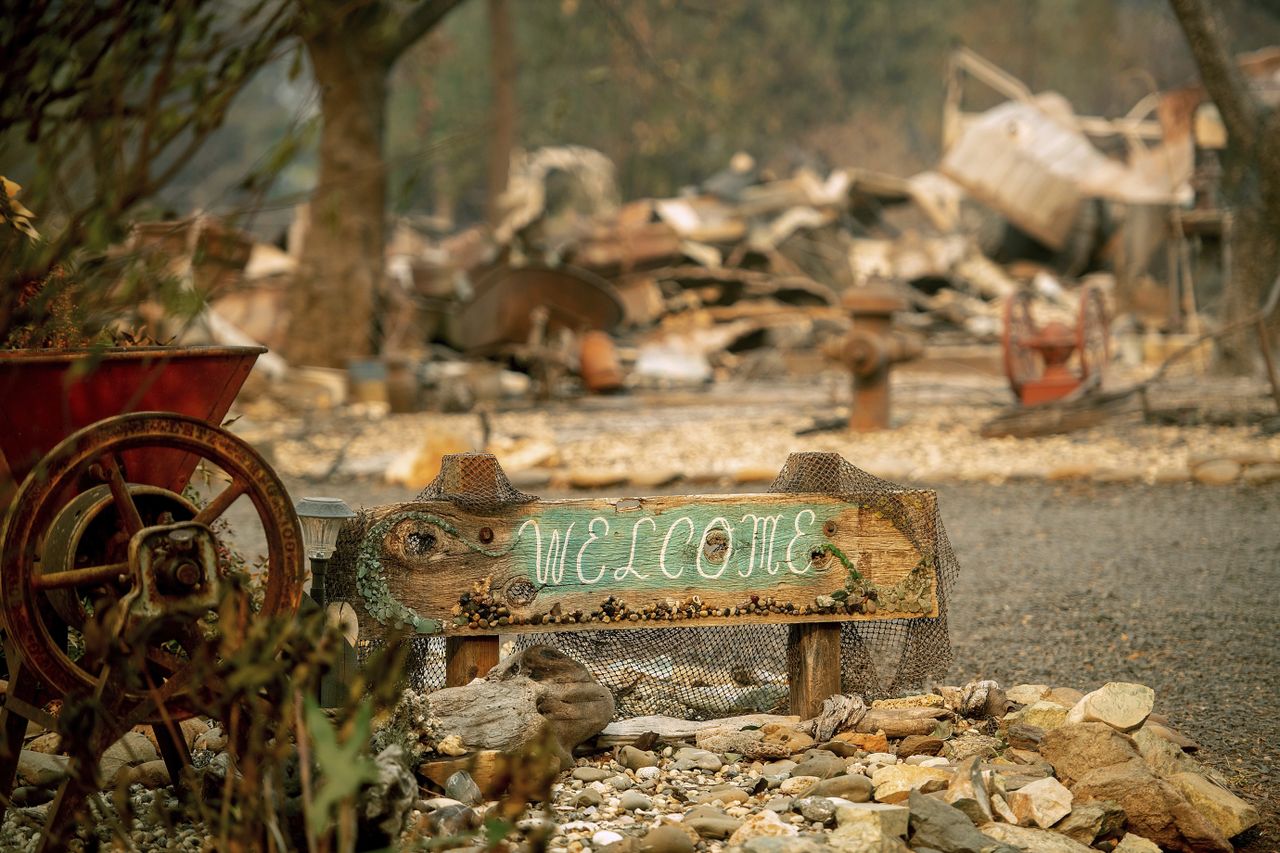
(938, 826)
(537, 689)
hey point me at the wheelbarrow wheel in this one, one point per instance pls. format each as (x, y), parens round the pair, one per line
(39, 593)
(1021, 363)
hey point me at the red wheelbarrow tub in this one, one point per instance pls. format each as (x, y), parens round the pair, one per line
(45, 395)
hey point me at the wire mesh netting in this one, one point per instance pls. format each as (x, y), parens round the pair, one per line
(704, 673)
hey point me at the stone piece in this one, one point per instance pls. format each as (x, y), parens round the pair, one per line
(461, 787)
(967, 792)
(1023, 737)
(603, 837)
(451, 820)
(633, 759)
(1089, 823)
(1033, 840)
(919, 745)
(150, 774)
(727, 794)
(591, 774)
(1136, 844)
(893, 820)
(1262, 473)
(1163, 757)
(764, 823)
(895, 781)
(1067, 697)
(1075, 749)
(1042, 714)
(798, 786)
(1153, 808)
(719, 826)
(772, 740)
(851, 786)
(969, 745)
(1218, 472)
(938, 826)
(633, 801)
(588, 797)
(1025, 694)
(1041, 803)
(791, 844)
(524, 694)
(213, 740)
(1122, 705)
(41, 769)
(1230, 814)
(666, 839)
(977, 699)
(815, 808)
(867, 742)
(824, 765)
(131, 750)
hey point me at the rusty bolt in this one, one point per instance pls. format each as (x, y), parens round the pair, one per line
(183, 539)
(486, 535)
(829, 527)
(188, 574)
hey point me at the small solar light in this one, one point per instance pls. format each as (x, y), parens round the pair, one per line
(321, 519)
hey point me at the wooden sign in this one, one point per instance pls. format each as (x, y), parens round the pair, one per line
(810, 560)
(635, 562)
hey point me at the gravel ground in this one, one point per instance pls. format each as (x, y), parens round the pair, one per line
(1176, 587)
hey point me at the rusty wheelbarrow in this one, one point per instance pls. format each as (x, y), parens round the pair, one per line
(101, 533)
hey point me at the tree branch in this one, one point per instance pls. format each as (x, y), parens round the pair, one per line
(1223, 80)
(420, 20)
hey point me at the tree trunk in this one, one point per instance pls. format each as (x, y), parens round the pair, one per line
(332, 307)
(502, 65)
(1251, 179)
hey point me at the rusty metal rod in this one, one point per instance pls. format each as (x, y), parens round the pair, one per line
(80, 577)
(216, 507)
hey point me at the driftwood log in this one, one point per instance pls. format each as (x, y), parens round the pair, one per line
(524, 696)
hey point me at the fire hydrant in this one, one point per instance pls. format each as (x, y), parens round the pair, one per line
(869, 350)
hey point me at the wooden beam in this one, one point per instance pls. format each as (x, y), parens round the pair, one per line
(813, 666)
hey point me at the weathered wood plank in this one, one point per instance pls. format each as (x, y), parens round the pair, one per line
(633, 562)
(813, 666)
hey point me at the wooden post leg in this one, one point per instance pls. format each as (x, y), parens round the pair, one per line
(813, 666)
(466, 658)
